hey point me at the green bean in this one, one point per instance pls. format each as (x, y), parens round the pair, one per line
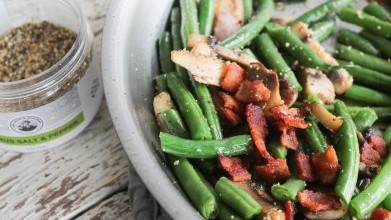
(165, 48)
(192, 182)
(189, 24)
(366, 21)
(226, 213)
(314, 136)
(362, 59)
(288, 190)
(377, 10)
(387, 202)
(189, 109)
(367, 77)
(381, 43)
(378, 189)
(276, 149)
(237, 199)
(348, 154)
(208, 108)
(233, 146)
(269, 54)
(294, 46)
(174, 124)
(364, 119)
(387, 138)
(161, 83)
(353, 39)
(206, 16)
(177, 42)
(252, 28)
(248, 9)
(323, 29)
(367, 95)
(195, 188)
(323, 10)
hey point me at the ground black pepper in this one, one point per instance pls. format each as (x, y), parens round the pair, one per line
(32, 48)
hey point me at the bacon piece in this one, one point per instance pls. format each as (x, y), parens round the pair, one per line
(230, 118)
(288, 137)
(378, 144)
(326, 164)
(304, 168)
(230, 102)
(381, 214)
(317, 201)
(258, 128)
(291, 116)
(274, 171)
(289, 206)
(252, 92)
(373, 151)
(233, 77)
(235, 168)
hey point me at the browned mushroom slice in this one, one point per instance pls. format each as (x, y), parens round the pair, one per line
(270, 209)
(203, 69)
(288, 93)
(235, 56)
(341, 80)
(317, 84)
(328, 120)
(270, 79)
(306, 35)
(194, 39)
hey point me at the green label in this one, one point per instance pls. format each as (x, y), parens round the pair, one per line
(45, 137)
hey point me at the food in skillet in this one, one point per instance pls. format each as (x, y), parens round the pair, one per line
(258, 120)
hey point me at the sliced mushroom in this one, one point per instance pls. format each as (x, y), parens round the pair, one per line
(162, 102)
(194, 39)
(235, 56)
(270, 209)
(288, 93)
(341, 80)
(317, 84)
(270, 79)
(327, 215)
(203, 69)
(306, 35)
(202, 48)
(328, 120)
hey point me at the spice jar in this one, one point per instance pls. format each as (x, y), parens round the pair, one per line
(53, 106)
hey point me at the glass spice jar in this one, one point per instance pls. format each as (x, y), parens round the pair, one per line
(52, 107)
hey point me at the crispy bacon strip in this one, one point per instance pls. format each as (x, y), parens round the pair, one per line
(229, 117)
(288, 137)
(373, 150)
(326, 164)
(274, 171)
(252, 92)
(304, 168)
(381, 214)
(233, 77)
(258, 128)
(291, 116)
(235, 168)
(317, 201)
(289, 206)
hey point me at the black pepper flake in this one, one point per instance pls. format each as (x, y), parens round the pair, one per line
(29, 49)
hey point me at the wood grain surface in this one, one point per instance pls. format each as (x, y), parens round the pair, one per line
(67, 181)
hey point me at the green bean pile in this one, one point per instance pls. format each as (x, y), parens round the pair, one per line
(258, 120)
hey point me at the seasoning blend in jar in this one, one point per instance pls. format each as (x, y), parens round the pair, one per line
(50, 85)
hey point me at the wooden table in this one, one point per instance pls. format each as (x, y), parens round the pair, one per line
(83, 179)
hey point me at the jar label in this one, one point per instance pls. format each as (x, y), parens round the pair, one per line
(55, 122)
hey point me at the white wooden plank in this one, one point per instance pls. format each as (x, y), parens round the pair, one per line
(115, 207)
(65, 181)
